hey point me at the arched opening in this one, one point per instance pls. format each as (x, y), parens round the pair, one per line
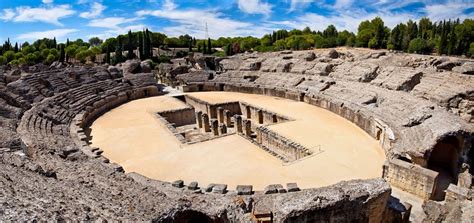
(189, 216)
(444, 160)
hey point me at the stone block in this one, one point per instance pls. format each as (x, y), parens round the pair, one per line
(193, 185)
(178, 184)
(244, 189)
(280, 188)
(271, 189)
(292, 187)
(219, 188)
(209, 187)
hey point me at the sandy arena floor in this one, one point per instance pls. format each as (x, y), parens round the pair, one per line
(131, 136)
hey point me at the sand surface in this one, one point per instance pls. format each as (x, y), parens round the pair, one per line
(132, 136)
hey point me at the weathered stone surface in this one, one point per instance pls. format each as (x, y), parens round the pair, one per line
(333, 54)
(465, 68)
(292, 187)
(244, 189)
(271, 189)
(219, 188)
(178, 183)
(193, 185)
(131, 67)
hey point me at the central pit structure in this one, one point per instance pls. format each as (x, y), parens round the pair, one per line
(225, 137)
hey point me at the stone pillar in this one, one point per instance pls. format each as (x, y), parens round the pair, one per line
(274, 118)
(220, 114)
(260, 116)
(205, 122)
(222, 129)
(199, 119)
(227, 120)
(247, 127)
(465, 178)
(238, 123)
(248, 112)
(215, 127)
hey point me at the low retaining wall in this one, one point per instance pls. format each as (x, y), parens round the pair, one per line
(411, 178)
(211, 109)
(179, 117)
(280, 145)
(268, 116)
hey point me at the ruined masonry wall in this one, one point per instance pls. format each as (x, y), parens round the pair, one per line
(282, 146)
(180, 117)
(411, 178)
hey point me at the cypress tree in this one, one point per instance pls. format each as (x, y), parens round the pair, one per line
(146, 46)
(209, 47)
(130, 45)
(190, 46)
(61, 53)
(16, 48)
(150, 48)
(107, 56)
(204, 47)
(67, 56)
(118, 51)
(55, 44)
(140, 45)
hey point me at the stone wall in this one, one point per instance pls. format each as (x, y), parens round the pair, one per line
(269, 117)
(179, 117)
(280, 145)
(411, 178)
(211, 109)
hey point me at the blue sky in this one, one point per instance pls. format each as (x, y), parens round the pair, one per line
(27, 20)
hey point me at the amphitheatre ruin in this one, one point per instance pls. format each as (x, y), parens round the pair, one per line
(327, 135)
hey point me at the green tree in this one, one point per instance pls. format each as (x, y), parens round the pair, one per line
(18, 55)
(49, 59)
(130, 54)
(140, 45)
(10, 55)
(62, 54)
(31, 59)
(471, 49)
(71, 51)
(3, 60)
(209, 47)
(95, 41)
(419, 45)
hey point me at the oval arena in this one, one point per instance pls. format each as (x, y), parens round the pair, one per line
(291, 136)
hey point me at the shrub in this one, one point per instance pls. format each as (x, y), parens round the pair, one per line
(50, 59)
(418, 45)
(18, 55)
(3, 60)
(31, 59)
(10, 55)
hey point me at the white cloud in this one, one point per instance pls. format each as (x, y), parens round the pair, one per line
(47, 1)
(299, 4)
(449, 10)
(344, 21)
(58, 33)
(115, 32)
(7, 14)
(111, 22)
(254, 7)
(340, 4)
(169, 5)
(96, 10)
(49, 14)
(192, 22)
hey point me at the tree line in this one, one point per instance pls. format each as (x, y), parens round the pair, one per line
(447, 37)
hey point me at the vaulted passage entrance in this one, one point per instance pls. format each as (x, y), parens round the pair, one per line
(444, 159)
